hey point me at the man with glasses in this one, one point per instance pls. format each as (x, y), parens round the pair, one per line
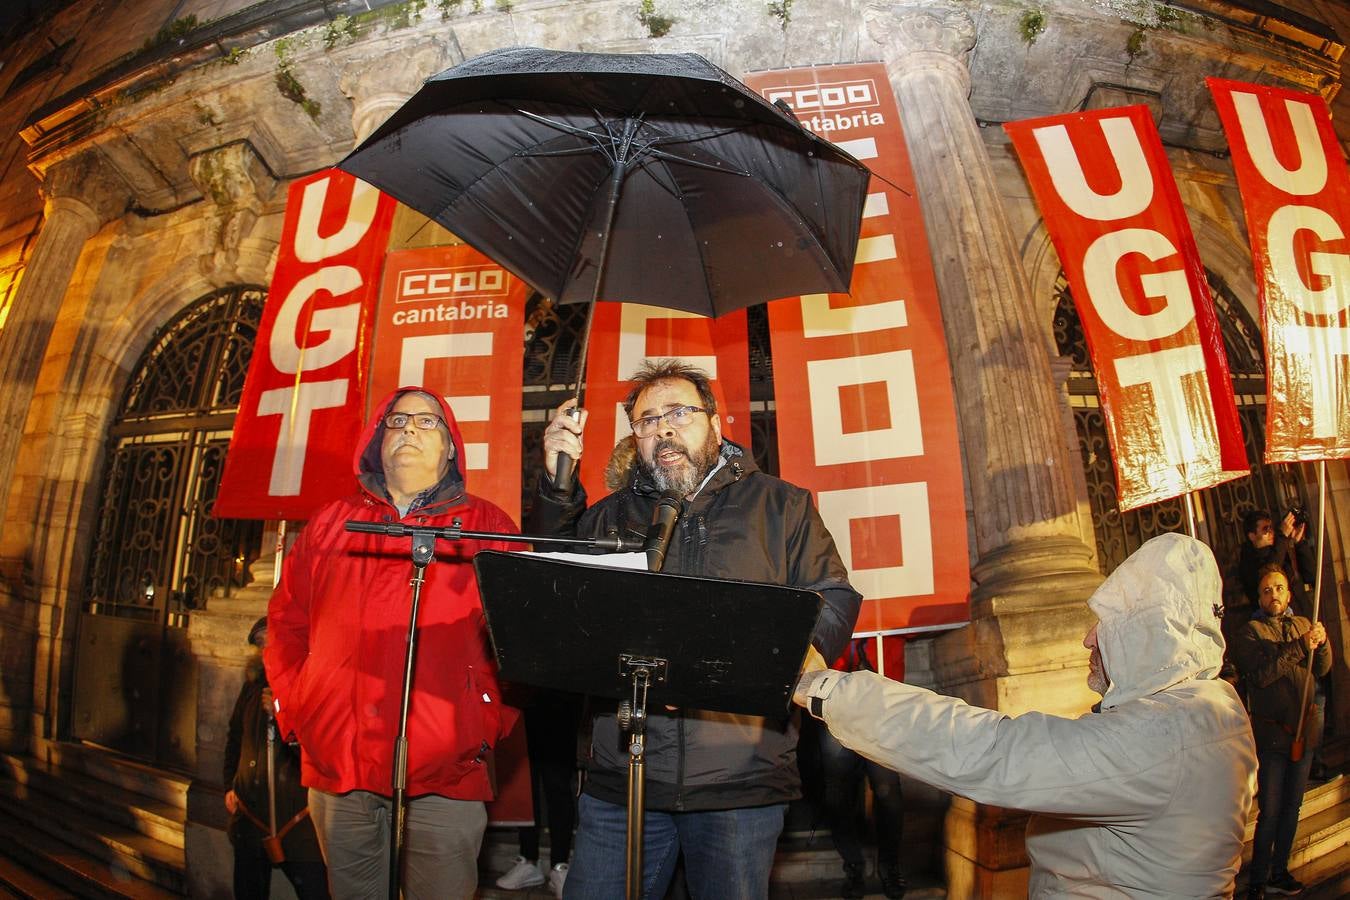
(717, 785)
(338, 624)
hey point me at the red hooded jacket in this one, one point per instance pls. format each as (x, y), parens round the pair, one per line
(337, 628)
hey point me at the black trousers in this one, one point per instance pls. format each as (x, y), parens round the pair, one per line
(253, 872)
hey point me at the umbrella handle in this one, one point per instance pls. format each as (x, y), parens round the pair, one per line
(565, 469)
(564, 474)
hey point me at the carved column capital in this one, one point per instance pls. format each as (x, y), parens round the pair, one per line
(232, 175)
(377, 86)
(928, 36)
(87, 185)
(85, 217)
(237, 183)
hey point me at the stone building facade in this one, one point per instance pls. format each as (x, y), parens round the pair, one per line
(147, 150)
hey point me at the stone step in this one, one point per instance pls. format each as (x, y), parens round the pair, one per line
(84, 848)
(1328, 877)
(19, 882)
(1320, 835)
(22, 778)
(70, 870)
(1325, 811)
(110, 768)
(1316, 799)
(805, 866)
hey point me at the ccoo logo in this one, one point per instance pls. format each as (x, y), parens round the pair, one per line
(834, 96)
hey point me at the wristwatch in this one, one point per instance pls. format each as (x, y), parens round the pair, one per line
(822, 684)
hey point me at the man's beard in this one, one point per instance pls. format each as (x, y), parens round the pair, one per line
(1097, 679)
(687, 475)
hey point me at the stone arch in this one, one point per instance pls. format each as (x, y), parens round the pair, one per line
(106, 352)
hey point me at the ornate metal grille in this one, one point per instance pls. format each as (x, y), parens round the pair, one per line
(158, 551)
(1220, 508)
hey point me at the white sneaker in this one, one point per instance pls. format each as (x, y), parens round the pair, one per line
(524, 874)
(557, 876)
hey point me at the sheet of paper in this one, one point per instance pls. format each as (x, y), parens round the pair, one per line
(610, 560)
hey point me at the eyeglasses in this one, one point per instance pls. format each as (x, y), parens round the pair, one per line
(424, 421)
(679, 417)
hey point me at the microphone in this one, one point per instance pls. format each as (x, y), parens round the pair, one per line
(663, 526)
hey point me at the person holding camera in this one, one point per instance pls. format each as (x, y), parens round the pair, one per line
(269, 817)
(1286, 545)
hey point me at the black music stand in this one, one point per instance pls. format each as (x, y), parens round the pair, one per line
(640, 637)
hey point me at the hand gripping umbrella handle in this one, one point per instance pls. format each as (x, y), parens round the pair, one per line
(565, 469)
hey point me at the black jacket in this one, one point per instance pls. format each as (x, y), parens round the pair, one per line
(744, 525)
(1272, 655)
(246, 774)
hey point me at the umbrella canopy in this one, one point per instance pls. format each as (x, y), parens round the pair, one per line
(648, 178)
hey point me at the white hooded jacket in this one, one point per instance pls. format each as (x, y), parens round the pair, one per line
(1147, 798)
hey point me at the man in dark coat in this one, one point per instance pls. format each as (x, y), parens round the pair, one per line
(1272, 653)
(717, 785)
(247, 760)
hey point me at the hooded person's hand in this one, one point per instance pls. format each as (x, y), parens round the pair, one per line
(814, 668)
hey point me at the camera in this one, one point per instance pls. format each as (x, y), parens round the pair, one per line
(1300, 515)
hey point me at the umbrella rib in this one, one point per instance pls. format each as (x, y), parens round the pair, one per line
(571, 151)
(574, 130)
(698, 136)
(698, 164)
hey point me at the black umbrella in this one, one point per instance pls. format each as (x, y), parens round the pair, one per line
(648, 178)
(720, 199)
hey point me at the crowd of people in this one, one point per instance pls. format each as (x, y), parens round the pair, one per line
(1148, 795)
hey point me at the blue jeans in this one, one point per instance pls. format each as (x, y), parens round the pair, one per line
(728, 853)
(1279, 791)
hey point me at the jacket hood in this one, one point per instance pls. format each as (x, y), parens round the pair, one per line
(1158, 618)
(368, 465)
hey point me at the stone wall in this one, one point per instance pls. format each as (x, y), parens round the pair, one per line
(161, 171)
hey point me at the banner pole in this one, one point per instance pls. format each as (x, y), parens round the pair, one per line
(1192, 528)
(1321, 538)
(280, 548)
(1296, 751)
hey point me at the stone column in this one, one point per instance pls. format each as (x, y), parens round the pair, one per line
(377, 91)
(1031, 568)
(82, 194)
(377, 88)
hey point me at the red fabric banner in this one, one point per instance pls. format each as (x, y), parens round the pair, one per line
(1296, 195)
(301, 410)
(623, 336)
(865, 411)
(451, 319)
(1111, 207)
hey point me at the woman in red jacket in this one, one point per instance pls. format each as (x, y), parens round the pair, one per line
(338, 626)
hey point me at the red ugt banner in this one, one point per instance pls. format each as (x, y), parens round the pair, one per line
(450, 319)
(866, 416)
(625, 335)
(1296, 194)
(1113, 211)
(301, 411)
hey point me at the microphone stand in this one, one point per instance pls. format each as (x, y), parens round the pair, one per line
(643, 671)
(423, 553)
